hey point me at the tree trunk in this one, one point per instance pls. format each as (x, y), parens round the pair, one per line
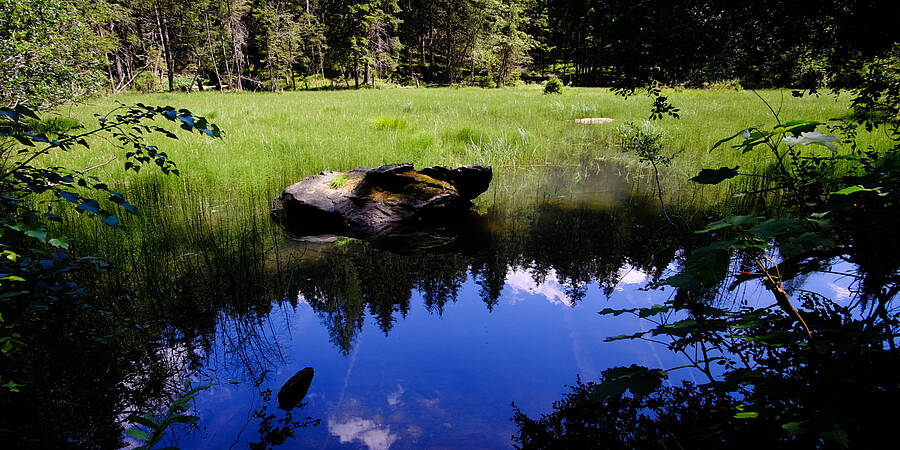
(120, 73)
(212, 53)
(225, 60)
(412, 70)
(235, 49)
(164, 33)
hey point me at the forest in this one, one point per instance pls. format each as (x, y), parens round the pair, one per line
(55, 50)
(687, 238)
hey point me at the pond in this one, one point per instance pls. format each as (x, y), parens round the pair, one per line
(411, 348)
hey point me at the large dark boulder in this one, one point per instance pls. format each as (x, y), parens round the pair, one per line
(393, 198)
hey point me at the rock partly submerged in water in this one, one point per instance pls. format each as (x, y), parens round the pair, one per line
(393, 198)
(293, 392)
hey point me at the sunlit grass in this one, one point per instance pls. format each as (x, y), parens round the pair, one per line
(274, 139)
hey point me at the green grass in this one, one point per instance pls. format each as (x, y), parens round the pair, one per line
(338, 181)
(274, 139)
(217, 212)
(387, 123)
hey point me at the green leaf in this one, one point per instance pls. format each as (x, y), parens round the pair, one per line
(797, 127)
(805, 242)
(61, 242)
(854, 189)
(715, 176)
(681, 328)
(70, 196)
(138, 434)
(188, 120)
(774, 227)
(746, 415)
(37, 233)
(745, 131)
(89, 205)
(146, 420)
(794, 427)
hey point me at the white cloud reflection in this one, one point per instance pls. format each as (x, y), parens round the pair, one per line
(839, 292)
(630, 275)
(393, 398)
(365, 431)
(522, 280)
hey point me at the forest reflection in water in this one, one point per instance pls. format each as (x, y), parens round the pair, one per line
(576, 245)
(435, 382)
(241, 305)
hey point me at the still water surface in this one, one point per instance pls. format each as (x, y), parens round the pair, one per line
(430, 348)
(435, 380)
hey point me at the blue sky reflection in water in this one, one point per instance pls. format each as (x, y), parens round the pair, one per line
(442, 380)
(438, 380)
(430, 350)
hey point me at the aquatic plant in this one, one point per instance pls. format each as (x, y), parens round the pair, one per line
(646, 143)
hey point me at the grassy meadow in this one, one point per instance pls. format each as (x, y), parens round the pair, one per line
(274, 139)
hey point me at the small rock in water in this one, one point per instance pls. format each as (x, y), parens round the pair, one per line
(293, 392)
(594, 120)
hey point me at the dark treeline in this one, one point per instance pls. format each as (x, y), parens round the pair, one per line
(55, 49)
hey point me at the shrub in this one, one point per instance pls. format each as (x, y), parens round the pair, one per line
(146, 82)
(553, 86)
(732, 84)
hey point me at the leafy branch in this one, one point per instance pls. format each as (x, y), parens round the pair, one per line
(155, 427)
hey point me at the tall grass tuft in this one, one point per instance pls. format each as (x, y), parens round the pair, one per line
(389, 123)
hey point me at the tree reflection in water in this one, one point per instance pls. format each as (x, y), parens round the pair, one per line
(579, 244)
(221, 283)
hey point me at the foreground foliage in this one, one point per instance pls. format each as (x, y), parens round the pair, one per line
(801, 370)
(44, 306)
